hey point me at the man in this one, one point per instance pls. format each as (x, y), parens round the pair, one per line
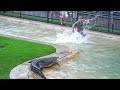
(78, 25)
(63, 17)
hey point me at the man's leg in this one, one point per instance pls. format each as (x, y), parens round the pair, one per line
(66, 16)
(83, 34)
(65, 19)
(61, 21)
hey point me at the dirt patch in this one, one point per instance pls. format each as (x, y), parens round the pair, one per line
(2, 46)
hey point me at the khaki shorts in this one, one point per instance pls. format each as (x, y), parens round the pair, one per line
(63, 14)
(81, 32)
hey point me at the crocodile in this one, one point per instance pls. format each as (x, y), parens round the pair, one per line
(38, 65)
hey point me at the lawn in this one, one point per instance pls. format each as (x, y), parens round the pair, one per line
(17, 51)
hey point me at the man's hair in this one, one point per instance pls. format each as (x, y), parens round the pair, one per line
(80, 17)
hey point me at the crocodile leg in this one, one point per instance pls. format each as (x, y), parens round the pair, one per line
(41, 74)
(57, 63)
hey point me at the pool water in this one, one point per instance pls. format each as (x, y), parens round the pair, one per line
(99, 58)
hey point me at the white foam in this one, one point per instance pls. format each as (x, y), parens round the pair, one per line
(76, 37)
(69, 37)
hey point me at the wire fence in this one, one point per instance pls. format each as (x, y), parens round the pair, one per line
(106, 21)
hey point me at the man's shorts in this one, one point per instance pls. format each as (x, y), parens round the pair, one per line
(80, 31)
(64, 14)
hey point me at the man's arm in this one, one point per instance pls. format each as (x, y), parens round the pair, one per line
(73, 26)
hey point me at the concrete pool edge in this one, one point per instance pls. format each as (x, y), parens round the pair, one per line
(22, 71)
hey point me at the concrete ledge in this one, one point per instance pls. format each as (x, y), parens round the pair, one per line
(22, 71)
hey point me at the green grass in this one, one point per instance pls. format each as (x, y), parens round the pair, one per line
(58, 22)
(105, 29)
(34, 18)
(17, 51)
(10, 14)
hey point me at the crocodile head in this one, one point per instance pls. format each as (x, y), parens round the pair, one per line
(55, 61)
(49, 62)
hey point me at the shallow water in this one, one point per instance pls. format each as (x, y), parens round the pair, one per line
(99, 58)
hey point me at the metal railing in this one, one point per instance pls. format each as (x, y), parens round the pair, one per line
(107, 21)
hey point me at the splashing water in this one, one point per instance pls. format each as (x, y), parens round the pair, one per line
(68, 37)
(76, 37)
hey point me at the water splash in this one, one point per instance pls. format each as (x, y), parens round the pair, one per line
(69, 37)
(76, 37)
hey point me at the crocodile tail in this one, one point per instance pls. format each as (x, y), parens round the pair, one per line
(30, 61)
(41, 74)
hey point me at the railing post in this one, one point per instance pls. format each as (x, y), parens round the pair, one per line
(77, 16)
(52, 16)
(20, 14)
(47, 16)
(112, 21)
(108, 21)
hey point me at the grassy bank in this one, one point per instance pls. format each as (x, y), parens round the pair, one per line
(16, 51)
